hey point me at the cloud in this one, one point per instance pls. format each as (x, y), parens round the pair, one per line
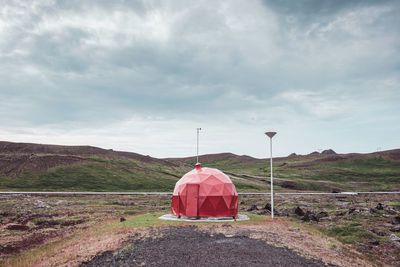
(80, 66)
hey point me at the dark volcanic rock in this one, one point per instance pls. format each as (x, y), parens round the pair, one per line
(310, 216)
(354, 211)
(298, 211)
(340, 213)
(122, 219)
(253, 207)
(322, 214)
(396, 220)
(267, 207)
(379, 206)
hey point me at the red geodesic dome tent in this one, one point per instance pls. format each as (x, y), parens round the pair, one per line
(205, 192)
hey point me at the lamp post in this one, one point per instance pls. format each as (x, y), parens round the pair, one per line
(270, 135)
(198, 132)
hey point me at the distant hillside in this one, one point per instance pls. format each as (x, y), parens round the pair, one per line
(41, 149)
(326, 171)
(31, 167)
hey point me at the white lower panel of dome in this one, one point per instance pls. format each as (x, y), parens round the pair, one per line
(171, 217)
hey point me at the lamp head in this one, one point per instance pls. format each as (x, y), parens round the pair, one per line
(270, 134)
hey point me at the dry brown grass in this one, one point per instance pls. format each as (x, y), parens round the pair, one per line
(76, 248)
(306, 242)
(110, 235)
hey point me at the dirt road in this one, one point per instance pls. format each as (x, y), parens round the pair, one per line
(190, 246)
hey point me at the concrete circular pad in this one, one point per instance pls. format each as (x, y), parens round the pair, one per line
(171, 217)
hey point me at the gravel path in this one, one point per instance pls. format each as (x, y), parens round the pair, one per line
(189, 246)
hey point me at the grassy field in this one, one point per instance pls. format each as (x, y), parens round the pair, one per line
(75, 169)
(373, 173)
(100, 175)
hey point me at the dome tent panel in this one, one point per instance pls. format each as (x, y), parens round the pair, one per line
(212, 191)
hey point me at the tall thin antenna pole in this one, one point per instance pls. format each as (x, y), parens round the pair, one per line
(198, 131)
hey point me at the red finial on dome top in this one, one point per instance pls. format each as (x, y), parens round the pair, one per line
(198, 166)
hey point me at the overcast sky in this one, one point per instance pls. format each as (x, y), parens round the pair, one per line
(142, 75)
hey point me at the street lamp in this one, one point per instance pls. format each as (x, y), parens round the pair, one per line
(198, 131)
(270, 135)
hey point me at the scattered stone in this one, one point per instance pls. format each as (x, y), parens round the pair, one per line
(19, 227)
(298, 211)
(340, 213)
(379, 206)
(336, 190)
(309, 216)
(373, 210)
(253, 207)
(283, 211)
(396, 220)
(322, 214)
(364, 210)
(354, 211)
(267, 207)
(242, 202)
(394, 237)
(41, 204)
(391, 211)
(60, 202)
(122, 219)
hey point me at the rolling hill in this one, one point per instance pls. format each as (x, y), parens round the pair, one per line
(325, 171)
(33, 167)
(38, 167)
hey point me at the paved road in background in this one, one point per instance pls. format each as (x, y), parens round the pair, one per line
(170, 193)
